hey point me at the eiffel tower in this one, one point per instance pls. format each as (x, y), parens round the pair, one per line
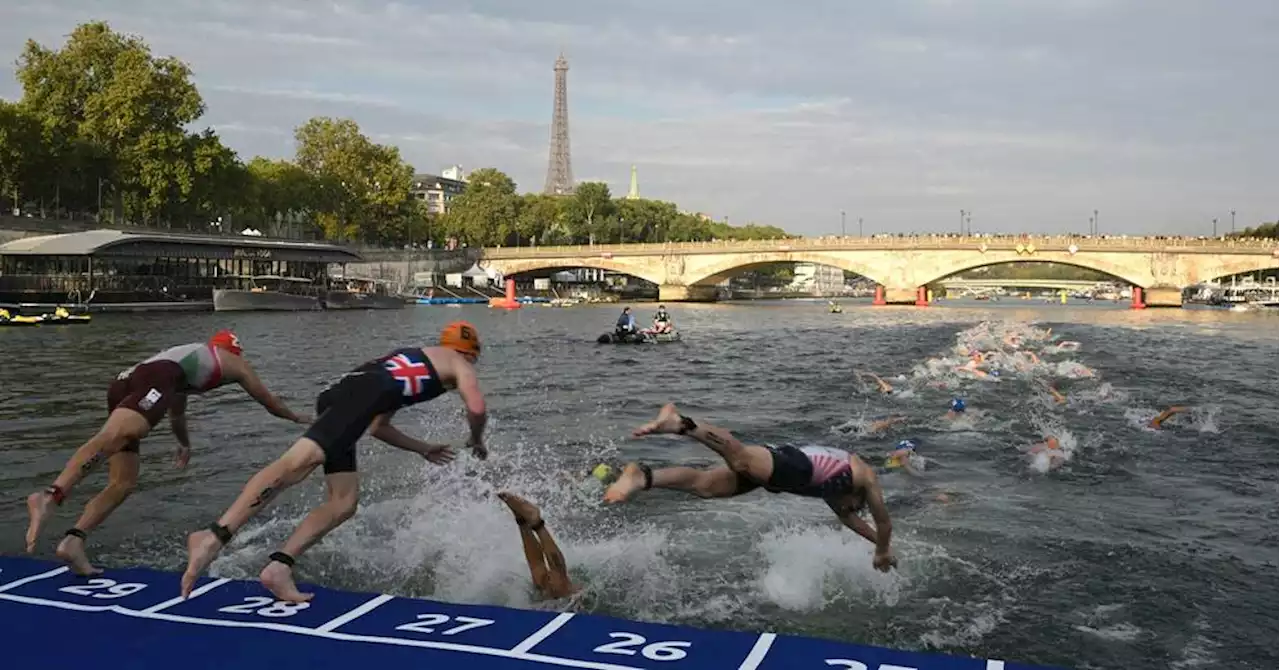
(559, 168)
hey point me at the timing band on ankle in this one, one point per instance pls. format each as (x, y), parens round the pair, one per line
(648, 476)
(686, 425)
(221, 532)
(281, 557)
(56, 493)
(76, 532)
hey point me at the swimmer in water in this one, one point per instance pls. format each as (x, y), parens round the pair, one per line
(1057, 395)
(883, 385)
(138, 400)
(364, 399)
(1164, 416)
(1052, 448)
(547, 567)
(957, 408)
(840, 479)
(901, 457)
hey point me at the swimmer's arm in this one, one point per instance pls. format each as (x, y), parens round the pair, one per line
(382, 429)
(248, 380)
(1155, 423)
(469, 389)
(875, 502)
(849, 517)
(178, 421)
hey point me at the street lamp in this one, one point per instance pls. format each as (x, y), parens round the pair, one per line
(1215, 226)
(859, 226)
(1095, 222)
(962, 222)
(842, 233)
(1233, 221)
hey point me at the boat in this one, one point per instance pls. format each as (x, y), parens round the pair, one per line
(362, 293)
(14, 320)
(61, 316)
(640, 337)
(271, 293)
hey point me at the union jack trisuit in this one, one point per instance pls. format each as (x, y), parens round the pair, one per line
(344, 410)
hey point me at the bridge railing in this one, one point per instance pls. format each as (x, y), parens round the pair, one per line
(836, 243)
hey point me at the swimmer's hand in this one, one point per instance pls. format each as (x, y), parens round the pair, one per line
(302, 419)
(182, 458)
(884, 560)
(440, 454)
(478, 450)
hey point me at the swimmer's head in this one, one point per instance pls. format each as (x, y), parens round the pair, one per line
(225, 339)
(603, 472)
(908, 445)
(463, 338)
(957, 405)
(995, 373)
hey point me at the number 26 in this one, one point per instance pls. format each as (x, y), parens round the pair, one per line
(656, 651)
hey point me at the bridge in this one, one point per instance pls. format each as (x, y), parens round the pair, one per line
(902, 266)
(1067, 284)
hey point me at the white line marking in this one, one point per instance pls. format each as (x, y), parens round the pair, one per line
(542, 633)
(194, 594)
(54, 603)
(993, 664)
(33, 578)
(354, 614)
(758, 652)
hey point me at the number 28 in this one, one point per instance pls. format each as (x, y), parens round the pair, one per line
(655, 651)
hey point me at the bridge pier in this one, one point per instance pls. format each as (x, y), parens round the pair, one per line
(898, 296)
(678, 293)
(1162, 297)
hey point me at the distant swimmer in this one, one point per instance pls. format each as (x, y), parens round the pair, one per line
(841, 479)
(883, 386)
(1057, 395)
(1052, 450)
(956, 409)
(365, 398)
(547, 566)
(137, 400)
(1164, 416)
(902, 456)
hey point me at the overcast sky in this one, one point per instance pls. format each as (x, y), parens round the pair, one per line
(1162, 114)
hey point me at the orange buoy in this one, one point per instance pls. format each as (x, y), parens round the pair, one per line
(508, 301)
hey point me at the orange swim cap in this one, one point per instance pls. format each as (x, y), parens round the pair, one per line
(462, 338)
(225, 339)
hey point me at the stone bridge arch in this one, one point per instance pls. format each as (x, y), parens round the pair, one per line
(512, 267)
(1225, 266)
(718, 268)
(962, 263)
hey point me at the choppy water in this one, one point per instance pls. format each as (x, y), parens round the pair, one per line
(1148, 549)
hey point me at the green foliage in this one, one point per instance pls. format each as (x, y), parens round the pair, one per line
(1265, 230)
(489, 213)
(106, 126)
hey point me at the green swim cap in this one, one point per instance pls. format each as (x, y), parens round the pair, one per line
(602, 472)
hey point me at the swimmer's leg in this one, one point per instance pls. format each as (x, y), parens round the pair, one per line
(123, 427)
(527, 515)
(752, 461)
(720, 482)
(342, 497)
(123, 478)
(262, 488)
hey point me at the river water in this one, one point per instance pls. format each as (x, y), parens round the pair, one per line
(1148, 549)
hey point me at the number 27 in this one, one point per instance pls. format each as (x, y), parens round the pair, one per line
(426, 621)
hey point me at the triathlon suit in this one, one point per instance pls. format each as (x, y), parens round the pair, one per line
(811, 470)
(344, 410)
(151, 386)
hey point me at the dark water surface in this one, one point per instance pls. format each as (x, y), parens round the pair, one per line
(1149, 549)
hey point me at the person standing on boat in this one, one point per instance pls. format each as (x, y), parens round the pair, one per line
(137, 400)
(364, 399)
(839, 478)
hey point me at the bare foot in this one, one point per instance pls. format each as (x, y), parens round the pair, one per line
(278, 578)
(631, 481)
(668, 422)
(525, 511)
(37, 507)
(202, 547)
(71, 551)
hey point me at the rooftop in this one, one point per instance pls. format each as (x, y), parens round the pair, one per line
(91, 242)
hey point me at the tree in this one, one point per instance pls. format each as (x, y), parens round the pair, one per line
(20, 151)
(588, 213)
(486, 212)
(1261, 231)
(109, 110)
(541, 218)
(361, 187)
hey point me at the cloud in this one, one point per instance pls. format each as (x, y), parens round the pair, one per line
(1159, 113)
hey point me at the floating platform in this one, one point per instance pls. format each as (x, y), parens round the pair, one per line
(135, 619)
(472, 301)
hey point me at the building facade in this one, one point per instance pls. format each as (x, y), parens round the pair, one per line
(438, 191)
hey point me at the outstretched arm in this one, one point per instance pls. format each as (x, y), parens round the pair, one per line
(248, 380)
(382, 429)
(1155, 423)
(477, 416)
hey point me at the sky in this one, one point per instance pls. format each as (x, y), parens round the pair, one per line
(1030, 114)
